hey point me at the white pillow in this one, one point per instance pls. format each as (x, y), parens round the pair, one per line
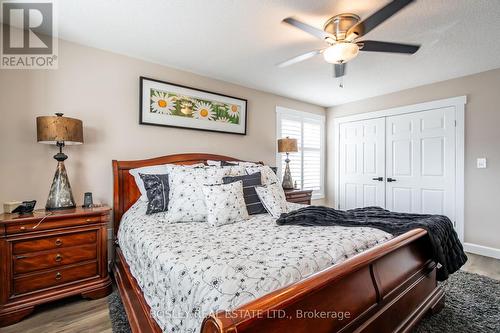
(225, 203)
(186, 198)
(213, 163)
(273, 199)
(148, 170)
(154, 170)
(267, 174)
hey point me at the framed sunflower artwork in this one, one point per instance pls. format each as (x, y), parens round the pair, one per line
(173, 105)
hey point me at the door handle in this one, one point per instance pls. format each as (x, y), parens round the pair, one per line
(380, 179)
(390, 180)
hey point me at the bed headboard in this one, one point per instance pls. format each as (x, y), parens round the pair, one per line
(125, 191)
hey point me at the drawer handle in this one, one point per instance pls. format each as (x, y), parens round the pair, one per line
(58, 257)
(58, 242)
(58, 276)
(23, 227)
(88, 220)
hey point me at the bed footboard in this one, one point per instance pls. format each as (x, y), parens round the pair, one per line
(385, 289)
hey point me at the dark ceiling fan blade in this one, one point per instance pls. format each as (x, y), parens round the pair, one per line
(371, 22)
(376, 46)
(309, 29)
(299, 58)
(339, 69)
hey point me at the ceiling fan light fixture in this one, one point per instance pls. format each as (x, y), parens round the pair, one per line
(340, 53)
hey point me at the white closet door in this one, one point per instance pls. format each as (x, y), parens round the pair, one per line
(420, 155)
(362, 164)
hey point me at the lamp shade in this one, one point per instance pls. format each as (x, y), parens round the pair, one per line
(53, 129)
(287, 145)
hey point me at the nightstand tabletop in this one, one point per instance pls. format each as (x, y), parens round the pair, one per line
(297, 191)
(51, 214)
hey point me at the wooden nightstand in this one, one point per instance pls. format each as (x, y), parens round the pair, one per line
(50, 255)
(299, 196)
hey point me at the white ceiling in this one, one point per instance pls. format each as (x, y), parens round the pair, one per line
(240, 41)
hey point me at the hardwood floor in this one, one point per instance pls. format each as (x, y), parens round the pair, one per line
(486, 266)
(77, 315)
(72, 315)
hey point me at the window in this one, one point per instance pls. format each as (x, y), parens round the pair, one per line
(307, 165)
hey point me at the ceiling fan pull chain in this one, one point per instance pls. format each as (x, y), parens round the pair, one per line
(341, 78)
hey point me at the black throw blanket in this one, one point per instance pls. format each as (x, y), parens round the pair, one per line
(447, 249)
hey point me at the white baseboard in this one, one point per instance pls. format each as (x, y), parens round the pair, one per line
(482, 250)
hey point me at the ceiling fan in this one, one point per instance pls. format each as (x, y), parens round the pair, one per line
(341, 33)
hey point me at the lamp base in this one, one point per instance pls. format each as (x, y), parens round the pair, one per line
(287, 177)
(60, 195)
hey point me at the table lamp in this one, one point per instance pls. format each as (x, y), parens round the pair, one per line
(287, 146)
(60, 131)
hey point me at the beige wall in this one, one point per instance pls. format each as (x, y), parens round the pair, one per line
(482, 139)
(102, 89)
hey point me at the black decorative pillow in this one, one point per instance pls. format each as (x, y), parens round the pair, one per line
(252, 201)
(157, 191)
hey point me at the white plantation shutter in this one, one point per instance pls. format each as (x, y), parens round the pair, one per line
(311, 156)
(307, 165)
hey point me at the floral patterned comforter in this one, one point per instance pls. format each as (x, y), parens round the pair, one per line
(189, 270)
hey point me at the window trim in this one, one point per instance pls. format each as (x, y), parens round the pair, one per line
(280, 111)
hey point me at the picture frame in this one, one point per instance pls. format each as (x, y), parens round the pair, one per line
(169, 104)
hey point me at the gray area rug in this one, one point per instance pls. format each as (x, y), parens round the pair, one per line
(472, 305)
(119, 321)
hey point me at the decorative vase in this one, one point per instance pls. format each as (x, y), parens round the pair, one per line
(60, 195)
(287, 176)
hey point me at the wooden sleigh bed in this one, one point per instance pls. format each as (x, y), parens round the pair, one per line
(388, 288)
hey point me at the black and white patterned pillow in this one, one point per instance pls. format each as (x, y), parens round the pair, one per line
(268, 175)
(157, 192)
(234, 170)
(225, 203)
(231, 163)
(273, 198)
(252, 201)
(225, 163)
(155, 170)
(187, 201)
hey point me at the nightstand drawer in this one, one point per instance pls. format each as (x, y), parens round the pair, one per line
(50, 224)
(54, 278)
(300, 200)
(65, 255)
(299, 196)
(54, 242)
(37, 261)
